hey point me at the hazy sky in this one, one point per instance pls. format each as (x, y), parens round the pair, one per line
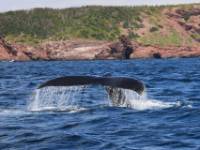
(6, 5)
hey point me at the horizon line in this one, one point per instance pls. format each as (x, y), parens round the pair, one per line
(98, 5)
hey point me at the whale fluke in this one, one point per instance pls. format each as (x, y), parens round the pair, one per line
(113, 82)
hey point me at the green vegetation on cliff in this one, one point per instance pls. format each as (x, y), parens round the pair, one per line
(101, 23)
(94, 22)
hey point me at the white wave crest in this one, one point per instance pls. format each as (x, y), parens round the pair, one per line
(13, 112)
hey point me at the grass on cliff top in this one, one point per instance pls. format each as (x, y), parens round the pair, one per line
(101, 23)
(91, 22)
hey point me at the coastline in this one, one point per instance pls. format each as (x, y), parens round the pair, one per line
(94, 32)
(90, 50)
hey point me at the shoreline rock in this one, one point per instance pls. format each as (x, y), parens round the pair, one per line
(90, 50)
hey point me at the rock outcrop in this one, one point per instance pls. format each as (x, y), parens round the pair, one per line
(9, 52)
(165, 52)
(20, 52)
(117, 50)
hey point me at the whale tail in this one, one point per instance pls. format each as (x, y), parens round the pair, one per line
(114, 85)
(115, 82)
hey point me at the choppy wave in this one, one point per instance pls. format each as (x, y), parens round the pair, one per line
(170, 122)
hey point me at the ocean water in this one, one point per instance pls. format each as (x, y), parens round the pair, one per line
(73, 118)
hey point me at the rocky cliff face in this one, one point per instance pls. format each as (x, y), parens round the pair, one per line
(117, 50)
(165, 52)
(82, 50)
(19, 52)
(9, 52)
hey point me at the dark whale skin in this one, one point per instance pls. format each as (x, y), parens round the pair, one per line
(114, 82)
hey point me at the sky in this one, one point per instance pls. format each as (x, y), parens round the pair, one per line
(7, 5)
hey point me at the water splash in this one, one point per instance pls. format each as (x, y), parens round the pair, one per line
(135, 101)
(68, 99)
(56, 99)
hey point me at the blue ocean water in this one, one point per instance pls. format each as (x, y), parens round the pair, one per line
(168, 118)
